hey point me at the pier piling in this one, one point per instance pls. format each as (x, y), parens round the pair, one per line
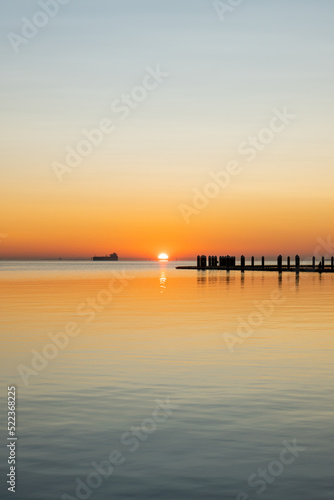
(297, 263)
(279, 263)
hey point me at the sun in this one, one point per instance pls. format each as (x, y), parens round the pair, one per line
(163, 256)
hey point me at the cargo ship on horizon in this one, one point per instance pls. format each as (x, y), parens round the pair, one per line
(111, 256)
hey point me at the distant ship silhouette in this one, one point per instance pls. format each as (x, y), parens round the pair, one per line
(111, 256)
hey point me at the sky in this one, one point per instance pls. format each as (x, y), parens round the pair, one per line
(216, 127)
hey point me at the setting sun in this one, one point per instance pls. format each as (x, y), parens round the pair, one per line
(163, 256)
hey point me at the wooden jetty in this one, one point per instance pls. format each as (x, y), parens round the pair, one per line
(228, 263)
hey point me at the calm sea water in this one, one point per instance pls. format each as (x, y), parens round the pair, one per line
(195, 384)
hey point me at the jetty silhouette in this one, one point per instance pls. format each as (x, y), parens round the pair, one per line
(228, 263)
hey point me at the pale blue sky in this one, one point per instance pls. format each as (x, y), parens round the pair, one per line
(225, 79)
